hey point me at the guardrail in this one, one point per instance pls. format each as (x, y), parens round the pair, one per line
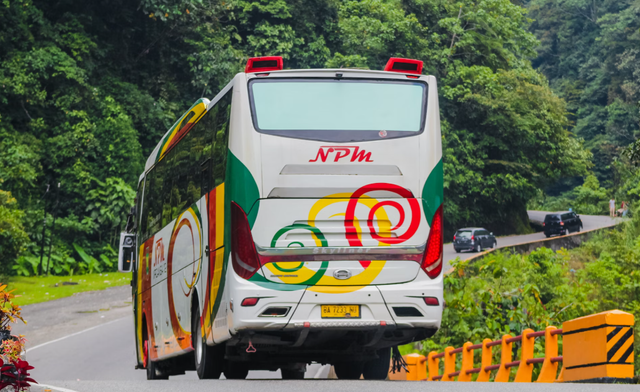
(525, 364)
(596, 348)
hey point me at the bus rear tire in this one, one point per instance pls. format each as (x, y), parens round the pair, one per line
(348, 370)
(208, 360)
(236, 371)
(378, 369)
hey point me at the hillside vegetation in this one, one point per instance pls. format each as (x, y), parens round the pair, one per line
(590, 51)
(88, 88)
(504, 293)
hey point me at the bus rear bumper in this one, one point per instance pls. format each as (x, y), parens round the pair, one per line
(395, 306)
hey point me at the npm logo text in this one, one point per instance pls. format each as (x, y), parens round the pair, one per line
(353, 153)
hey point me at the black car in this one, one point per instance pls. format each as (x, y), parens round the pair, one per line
(473, 238)
(561, 223)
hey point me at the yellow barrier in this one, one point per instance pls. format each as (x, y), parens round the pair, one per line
(596, 348)
(609, 336)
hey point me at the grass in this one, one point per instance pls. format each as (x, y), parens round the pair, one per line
(34, 289)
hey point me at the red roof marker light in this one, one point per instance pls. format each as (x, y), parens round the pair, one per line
(397, 64)
(264, 64)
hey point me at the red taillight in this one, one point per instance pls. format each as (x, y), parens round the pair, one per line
(431, 301)
(454, 237)
(264, 64)
(543, 223)
(473, 237)
(249, 301)
(432, 261)
(243, 250)
(561, 223)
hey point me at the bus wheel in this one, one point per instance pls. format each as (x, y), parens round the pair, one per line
(153, 373)
(236, 371)
(208, 359)
(378, 369)
(348, 370)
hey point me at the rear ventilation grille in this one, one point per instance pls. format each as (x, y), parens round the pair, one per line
(407, 311)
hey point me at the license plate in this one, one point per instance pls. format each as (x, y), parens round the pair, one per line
(340, 311)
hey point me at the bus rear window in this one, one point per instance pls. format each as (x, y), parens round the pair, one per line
(338, 109)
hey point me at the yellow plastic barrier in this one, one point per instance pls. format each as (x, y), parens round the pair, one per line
(415, 370)
(596, 348)
(599, 347)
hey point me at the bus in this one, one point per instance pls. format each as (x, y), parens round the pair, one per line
(294, 218)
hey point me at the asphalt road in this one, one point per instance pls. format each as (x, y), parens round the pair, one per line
(87, 341)
(322, 386)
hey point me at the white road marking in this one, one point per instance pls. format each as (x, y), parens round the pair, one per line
(56, 388)
(73, 334)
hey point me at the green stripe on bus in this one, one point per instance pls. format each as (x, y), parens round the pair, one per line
(242, 188)
(432, 196)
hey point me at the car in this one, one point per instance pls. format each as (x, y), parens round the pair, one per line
(473, 238)
(561, 223)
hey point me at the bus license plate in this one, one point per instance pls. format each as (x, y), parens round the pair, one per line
(340, 311)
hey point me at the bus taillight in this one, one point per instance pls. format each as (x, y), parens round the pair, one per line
(245, 257)
(432, 261)
(410, 66)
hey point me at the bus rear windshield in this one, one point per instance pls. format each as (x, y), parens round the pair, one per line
(338, 109)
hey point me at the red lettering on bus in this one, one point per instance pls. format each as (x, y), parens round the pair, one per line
(322, 154)
(342, 152)
(159, 253)
(361, 155)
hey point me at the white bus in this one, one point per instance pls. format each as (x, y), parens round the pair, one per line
(294, 218)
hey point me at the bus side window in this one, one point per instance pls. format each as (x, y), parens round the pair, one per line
(221, 139)
(205, 177)
(144, 232)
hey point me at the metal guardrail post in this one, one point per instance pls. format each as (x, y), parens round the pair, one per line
(485, 373)
(505, 358)
(525, 369)
(432, 364)
(467, 362)
(549, 369)
(449, 364)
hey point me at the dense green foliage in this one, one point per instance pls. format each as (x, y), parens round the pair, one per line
(88, 88)
(504, 293)
(591, 198)
(590, 51)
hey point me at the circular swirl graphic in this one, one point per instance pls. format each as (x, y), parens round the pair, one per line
(302, 273)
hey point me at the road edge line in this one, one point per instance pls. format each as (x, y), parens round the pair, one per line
(73, 334)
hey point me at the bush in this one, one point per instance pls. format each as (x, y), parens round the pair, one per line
(13, 237)
(14, 372)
